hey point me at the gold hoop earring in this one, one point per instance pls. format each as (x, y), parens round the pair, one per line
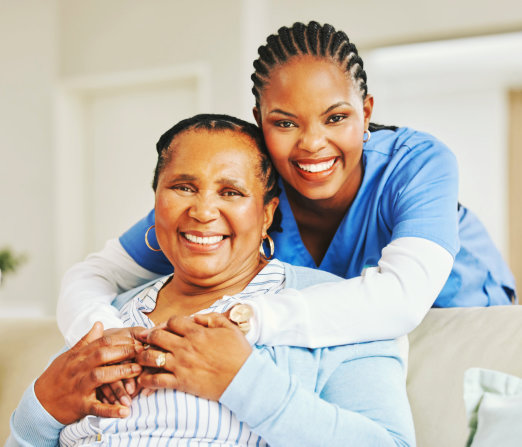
(368, 136)
(147, 239)
(262, 248)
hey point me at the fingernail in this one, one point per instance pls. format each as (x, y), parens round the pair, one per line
(147, 392)
(135, 369)
(129, 386)
(124, 412)
(126, 401)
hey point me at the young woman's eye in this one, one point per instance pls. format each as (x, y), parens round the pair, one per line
(336, 118)
(285, 124)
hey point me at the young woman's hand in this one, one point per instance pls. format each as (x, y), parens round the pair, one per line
(199, 355)
(67, 388)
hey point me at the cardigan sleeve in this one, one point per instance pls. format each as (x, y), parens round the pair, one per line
(32, 425)
(361, 402)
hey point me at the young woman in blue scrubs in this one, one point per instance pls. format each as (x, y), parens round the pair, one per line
(376, 205)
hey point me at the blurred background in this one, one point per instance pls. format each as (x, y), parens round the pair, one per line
(87, 87)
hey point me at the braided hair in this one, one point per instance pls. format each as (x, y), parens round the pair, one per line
(315, 40)
(219, 123)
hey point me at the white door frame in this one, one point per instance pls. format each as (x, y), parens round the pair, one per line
(70, 158)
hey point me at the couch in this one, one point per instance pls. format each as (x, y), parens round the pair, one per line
(448, 342)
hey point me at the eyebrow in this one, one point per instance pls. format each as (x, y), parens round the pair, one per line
(328, 110)
(231, 182)
(182, 177)
(224, 181)
(282, 112)
(334, 106)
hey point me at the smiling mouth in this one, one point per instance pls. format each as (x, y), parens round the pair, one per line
(316, 167)
(203, 240)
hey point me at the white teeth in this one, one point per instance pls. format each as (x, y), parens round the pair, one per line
(203, 240)
(317, 167)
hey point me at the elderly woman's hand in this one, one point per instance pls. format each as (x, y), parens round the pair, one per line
(67, 388)
(199, 355)
(121, 391)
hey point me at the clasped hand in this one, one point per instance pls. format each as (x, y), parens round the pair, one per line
(201, 355)
(97, 376)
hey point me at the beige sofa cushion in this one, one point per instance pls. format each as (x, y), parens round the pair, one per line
(448, 342)
(27, 345)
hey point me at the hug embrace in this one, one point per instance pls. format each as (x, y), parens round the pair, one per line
(364, 234)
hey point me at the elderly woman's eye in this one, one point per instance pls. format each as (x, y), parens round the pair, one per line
(183, 188)
(231, 193)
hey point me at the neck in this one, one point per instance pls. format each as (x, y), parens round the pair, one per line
(185, 296)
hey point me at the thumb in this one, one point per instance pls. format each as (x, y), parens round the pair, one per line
(94, 333)
(213, 320)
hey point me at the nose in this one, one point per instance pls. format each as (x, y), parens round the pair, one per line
(312, 138)
(204, 207)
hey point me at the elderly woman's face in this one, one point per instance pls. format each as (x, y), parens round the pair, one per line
(210, 215)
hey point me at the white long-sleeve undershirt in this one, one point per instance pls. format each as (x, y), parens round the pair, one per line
(385, 302)
(89, 287)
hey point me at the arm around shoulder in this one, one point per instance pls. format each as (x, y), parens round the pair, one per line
(89, 287)
(385, 302)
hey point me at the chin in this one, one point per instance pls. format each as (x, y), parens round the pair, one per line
(320, 193)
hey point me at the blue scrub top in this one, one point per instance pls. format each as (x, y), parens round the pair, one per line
(409, 189)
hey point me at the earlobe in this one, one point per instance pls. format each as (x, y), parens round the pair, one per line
(257, 116)
(270, 209)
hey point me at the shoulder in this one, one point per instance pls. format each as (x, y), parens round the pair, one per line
(405, 142)
(401, 157)
(298, 277)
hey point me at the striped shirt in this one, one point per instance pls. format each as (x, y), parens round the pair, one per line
(170, 417)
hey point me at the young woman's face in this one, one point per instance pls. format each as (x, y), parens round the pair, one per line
(210, 215)
(313, 120)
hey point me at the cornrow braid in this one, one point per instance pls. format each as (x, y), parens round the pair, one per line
(312, 39)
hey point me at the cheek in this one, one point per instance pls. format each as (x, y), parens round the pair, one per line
(279, 145)
(167, 211)
(246, 225)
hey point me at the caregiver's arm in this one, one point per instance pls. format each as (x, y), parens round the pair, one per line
(385, 302)
(89, 287)
(419, 206)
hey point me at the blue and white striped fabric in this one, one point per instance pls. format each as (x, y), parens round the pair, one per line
(170, 417)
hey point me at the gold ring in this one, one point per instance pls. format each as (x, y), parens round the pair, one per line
(161, 359)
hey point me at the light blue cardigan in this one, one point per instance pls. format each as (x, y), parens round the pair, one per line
(338, 396)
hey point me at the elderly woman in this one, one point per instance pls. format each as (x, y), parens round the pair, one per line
(216, 197)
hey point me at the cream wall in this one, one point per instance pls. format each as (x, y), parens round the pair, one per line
(376, 23)
(46, 45)
(28, 60)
